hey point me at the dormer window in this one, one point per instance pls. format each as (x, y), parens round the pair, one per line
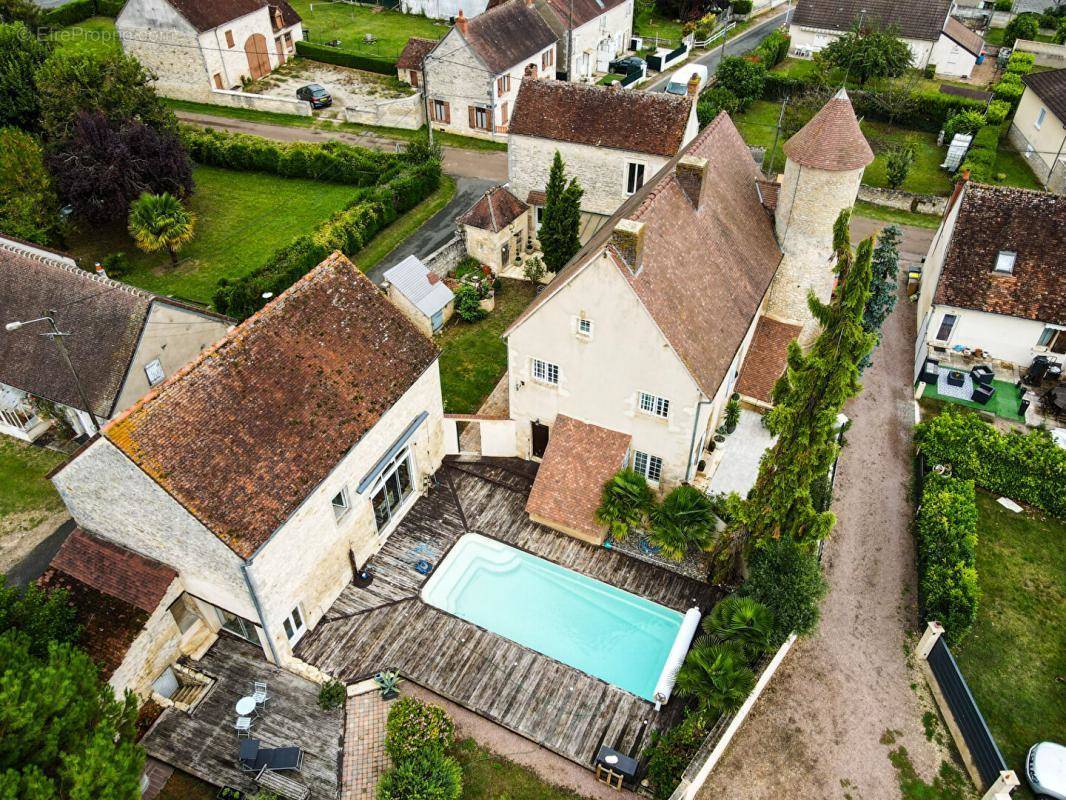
(1005, 261)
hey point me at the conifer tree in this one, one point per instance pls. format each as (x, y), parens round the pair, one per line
(558, 233)
(884, 270)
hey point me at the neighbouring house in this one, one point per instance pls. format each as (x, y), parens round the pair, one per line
(1038, 130)
(471, 77)
(420, 294)
(194, 46)
(994, 279)
(270, 469)
(613, 141)
(933, 35)
(496, 231)
(630, 354)
(409, 64)
(121, 341)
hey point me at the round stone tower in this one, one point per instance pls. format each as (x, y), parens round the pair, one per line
(823, 168)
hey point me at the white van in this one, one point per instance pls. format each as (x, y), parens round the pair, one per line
(679, 80)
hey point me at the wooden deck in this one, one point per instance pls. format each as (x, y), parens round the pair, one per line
(387, 626)
(205, 744)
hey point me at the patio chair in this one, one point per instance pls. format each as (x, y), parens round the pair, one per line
(982, 374)
(243, 726)
(260, 694)
(253, 758)
(248, 755)
(982, 393)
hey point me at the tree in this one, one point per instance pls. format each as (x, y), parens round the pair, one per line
(1023, 26)
(884, 273)
(807, 400)
(714, 101)
(716, 676)
(787, 579)
(426, 775)
(743, 77)
(104, 167)
(625, 502)
(684, 519)
(468, 303)
(869, 53)
(65, 734)
(898, 163)
(559, 228)
(21, 55)
(160, 222)
(41, 617)
(23, 11)
(28, 204)
(743, 621)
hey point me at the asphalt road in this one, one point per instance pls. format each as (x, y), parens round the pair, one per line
(36, 561)
(736, 46)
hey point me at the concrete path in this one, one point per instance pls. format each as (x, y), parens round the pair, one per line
(487, 164)
(819, 730)
(32, 565)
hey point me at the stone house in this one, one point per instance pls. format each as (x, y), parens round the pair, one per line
(420, 294)
(271, 468)
(932, 34)
(471, 77)
(409, 64)
(699, 278)
(1038, 130)
(613, 141)
(122, 341)
(995, 278)
(496, 230)
(194, 46)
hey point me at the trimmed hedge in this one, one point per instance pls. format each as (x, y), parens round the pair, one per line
(80, 10)
(413, 726)
(981, 157)
(946, 533)
(345, 58)
(1021, 63)
(1029, 468)
(774, 48)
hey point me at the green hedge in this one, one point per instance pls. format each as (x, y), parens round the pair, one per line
(774, 48)
(327, 161)
(413, 726)
(1029, 468)
(346, 58)
(80, 10)
(946, 533)
(981, 157)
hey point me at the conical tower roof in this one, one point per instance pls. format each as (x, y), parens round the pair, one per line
(831, 140)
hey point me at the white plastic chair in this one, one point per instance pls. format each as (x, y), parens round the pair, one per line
(260, 694)
(243, 726)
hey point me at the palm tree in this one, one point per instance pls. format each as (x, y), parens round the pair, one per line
(742, 621)
(160, 222)
(685, 518)
(626, 501)
(717, 676)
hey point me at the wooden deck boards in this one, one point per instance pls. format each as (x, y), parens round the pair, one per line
(204, 742)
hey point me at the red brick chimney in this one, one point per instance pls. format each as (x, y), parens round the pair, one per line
(461, 22)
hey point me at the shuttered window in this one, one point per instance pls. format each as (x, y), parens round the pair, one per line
(441, 111)
(479, 118)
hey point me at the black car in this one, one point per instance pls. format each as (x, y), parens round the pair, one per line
(315, 95)
(624, 66)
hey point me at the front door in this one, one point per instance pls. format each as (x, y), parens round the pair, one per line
(505, 255)
(255, 47)
(540, 439)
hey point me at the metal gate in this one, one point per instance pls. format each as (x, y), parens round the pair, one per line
(987, 758)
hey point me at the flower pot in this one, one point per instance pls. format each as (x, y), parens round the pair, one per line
(391, 694)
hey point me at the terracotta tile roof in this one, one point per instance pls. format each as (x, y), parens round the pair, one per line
(1050, 87)
(582, 11)
(963, 37)
(414, 51)
(535, 198)
(289, 17)
(705, 271)
(130, 577)
(204, 15)
(507, 35)
(768, 193)
(641, 122)
(766, 358)
(832, 139)
(995, 218)
(580, 458)
(494, 211)
(243, 434)
(914, 19)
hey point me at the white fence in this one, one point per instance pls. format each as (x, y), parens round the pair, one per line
(487, 436)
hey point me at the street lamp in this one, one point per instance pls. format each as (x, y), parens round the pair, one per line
(57, 337)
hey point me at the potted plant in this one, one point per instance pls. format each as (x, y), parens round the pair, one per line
(229, 793)
(387, 681)
(732, 413)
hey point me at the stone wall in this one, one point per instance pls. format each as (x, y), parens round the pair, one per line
(903, 200)
(404, 112)
(173, 56)
(154, 648)
(446, 258)
(236, 99)
(1047, 54)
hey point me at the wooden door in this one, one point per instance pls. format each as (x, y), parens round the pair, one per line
(540, 439)
(255, 47)
(280, 48)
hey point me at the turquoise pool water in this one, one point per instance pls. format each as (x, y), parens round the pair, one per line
(599, 629)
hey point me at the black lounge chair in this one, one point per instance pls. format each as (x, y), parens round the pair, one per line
(982, 374)
(982, 393)
(254, 758)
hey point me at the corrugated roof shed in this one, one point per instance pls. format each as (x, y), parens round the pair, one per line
(423, 288)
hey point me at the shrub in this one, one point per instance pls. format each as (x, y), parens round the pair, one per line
(741, 7)
(981, 158)
(29, 208)
(743, 77)
(345, 58)
(115, 264)
(787, 579)
(68, 14)
(468, 304)
(625, 502)
(332, 695)
(684, 519)
(898, 162)
(1009, 89)
(946, 533)
(998, 111)
(1023, 26)
(963, 122)
(670, 753)
(533, 269)
(426, 775)
(1021, 63)
(1004, 5)
(1029, 468)
(414, 726)
(23, 54)
(773, 49)
(714, 101)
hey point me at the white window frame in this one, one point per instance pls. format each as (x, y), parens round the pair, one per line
(154, 368)
(295, 625)
(584, 328)
(951, 328)
(544, 372)
(404, 457)
(636, 167)
(653, 405)
(1005, 261)
(1041, 115)
(651, 467)
(1049, 338)
(341, 509)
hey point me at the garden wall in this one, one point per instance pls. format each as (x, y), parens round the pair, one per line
(1047, 54)
(904, 200)
(446, 258)
(233, 99)
(404, 112)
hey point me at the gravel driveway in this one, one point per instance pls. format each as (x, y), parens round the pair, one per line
(818, 730)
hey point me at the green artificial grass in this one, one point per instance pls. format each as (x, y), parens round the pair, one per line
(487, 776)
(241, 219)
(95, 35)
(325, 21)
(1004, 402)
(404, 226)
(23, 487)
(1015, 656)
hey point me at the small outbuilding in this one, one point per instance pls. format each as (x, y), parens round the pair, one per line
(496, 230)
(420, 294)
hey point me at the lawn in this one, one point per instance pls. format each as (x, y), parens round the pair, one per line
(473, 355)
(1015, 657)
(351, 23)
(95, 35)
(487, 776)
(896, 215)
(649, 22)
(23, 487)
(404, 226)
(241, 219)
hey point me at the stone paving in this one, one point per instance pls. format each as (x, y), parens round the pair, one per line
(364, 745)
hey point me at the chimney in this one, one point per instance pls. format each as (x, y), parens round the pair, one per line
(461, 22)
(433, 278)
(627, 239)
(691, 173)
(100, 269)
(693, 88)
(530, 71)
(529, 3)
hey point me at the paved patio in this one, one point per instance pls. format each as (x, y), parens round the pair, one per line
(738, 465)
(364, 745)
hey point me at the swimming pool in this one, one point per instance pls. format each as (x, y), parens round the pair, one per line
(601, 630)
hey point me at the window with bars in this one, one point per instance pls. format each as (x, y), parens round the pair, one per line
(652, 404)
(545, 372)
(651, 467)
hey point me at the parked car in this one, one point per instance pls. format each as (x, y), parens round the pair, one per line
(315, 95)
(679, 80)
(1045, 767)
(623, 66)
